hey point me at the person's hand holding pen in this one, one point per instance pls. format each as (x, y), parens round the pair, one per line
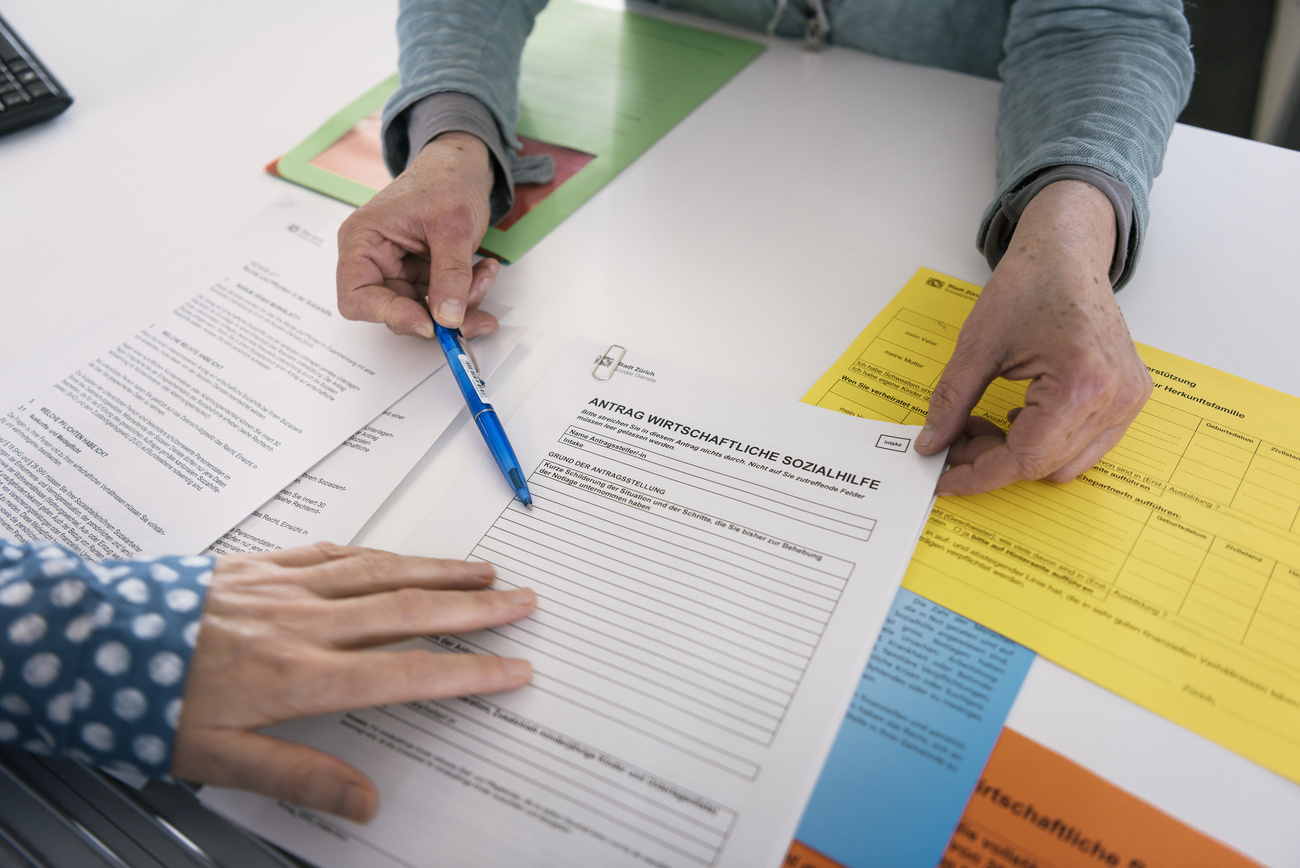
(1047, 315)
(291, 634)
(413, 244)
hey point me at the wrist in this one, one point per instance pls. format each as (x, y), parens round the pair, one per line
(1068, 221)
(459, 152)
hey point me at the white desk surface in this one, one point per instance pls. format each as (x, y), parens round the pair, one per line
(785, 212)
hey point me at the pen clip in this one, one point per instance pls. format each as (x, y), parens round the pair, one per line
(607, 364)
(464, 348)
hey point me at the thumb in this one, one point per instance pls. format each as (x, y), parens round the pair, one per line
(960, 387)
(279, 769)
(451, 275)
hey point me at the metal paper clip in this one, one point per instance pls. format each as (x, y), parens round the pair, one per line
(608, 363)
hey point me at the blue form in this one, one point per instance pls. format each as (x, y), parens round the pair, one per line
(915, 739)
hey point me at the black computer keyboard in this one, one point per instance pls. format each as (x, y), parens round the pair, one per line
(28, 93)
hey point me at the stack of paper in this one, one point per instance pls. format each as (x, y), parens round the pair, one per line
(183, 418)
(711, 566)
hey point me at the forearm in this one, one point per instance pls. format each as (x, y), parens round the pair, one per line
(1068, 228)
(95, 655)
(1097, 87)
(466, 46)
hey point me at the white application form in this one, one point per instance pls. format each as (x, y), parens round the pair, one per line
(165, 422)
(338, 495)
(712, 568)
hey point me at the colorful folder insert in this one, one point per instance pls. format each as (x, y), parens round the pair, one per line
(597, 88)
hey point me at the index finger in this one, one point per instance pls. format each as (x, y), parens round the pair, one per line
(961, 385)
(368, 263)
(335, 571)
(1039, 442)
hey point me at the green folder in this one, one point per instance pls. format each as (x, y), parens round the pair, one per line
(597, 88)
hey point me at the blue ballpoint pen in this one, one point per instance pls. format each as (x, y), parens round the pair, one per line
(489, 425)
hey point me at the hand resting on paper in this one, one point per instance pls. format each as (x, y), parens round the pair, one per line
(1047, 315)
(290, 634)
(413, 244)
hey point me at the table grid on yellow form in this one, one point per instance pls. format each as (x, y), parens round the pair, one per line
(1170, 572)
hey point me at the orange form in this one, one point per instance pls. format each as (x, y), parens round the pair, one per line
(1033, 808)
(803, 856)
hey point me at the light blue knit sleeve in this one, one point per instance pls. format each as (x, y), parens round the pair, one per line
(1096, 85)
(93, 656)
(464, 46)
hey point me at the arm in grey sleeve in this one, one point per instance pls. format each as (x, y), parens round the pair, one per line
(463, 47)
(1097, 86)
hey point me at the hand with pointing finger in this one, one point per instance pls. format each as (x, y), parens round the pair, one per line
(1047, 315)
(291, 634)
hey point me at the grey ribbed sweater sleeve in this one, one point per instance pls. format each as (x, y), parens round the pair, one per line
(1097, 86)
(472, 48)
(451, 111)
(996, 234)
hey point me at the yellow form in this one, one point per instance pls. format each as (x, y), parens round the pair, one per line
(1169, 573)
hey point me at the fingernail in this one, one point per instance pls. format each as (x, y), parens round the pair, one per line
(451, 312)
(423, 329)
(518, 668)
(927, 434)
(522, 597)
(482, 569)
(357, 803)
(944, 494)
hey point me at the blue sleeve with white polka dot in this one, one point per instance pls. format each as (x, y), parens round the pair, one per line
(93, 656)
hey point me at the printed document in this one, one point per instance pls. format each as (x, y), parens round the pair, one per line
(925, 716)
(336, 497)
(165, 422)
(712, 568)
(1169, 573)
